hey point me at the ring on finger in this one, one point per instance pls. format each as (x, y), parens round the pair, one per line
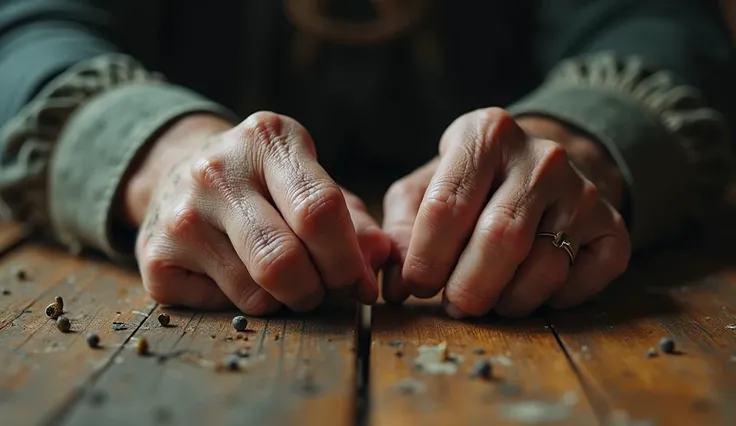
(560, 240)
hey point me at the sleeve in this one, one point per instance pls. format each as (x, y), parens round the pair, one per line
(74, 113)
(652, 81)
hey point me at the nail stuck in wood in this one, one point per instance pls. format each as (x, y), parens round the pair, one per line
(240, 323)
(63, 324)
(93, 340)
(667, 345)
(164, 319)
(141, 346)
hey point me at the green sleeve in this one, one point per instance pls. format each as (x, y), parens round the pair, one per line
(650, 80)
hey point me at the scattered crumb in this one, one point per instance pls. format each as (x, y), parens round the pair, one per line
(479, 351)
(410, 386)
(97, 397)
(731, 326)
(534, 412)
(212, 336)
(667, 345)
(399, 353)
(483, 369)
(276, 337)
(502, 360)
(6, 292)
(437, 359)
(243, 352)
(228, 339)
(651, 353)
(20, 273)
(395, 343)
(141, 346)
(119, 326)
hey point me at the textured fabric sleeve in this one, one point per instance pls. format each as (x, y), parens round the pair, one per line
(66, 153)
(638, 76)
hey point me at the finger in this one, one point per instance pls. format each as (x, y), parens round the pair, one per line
(456, 195)
(311, 203)
(603, 257)
(274, 257)
(546, 268)
(400, 207)
(374, 244)
(220, 261)
(170, 279)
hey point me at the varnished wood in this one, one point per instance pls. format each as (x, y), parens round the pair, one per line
(531, 372)
(44, 370)
(298, 372)
(687, 295)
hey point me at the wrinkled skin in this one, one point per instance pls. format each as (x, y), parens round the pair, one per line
(245, 215)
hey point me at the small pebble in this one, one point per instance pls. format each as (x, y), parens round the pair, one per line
(63, 324)
(93, 340)
(20, 273)
(482, 369)
(240, 323)
(53, 311)
(479, 351)
(59, 302)
(395, 343)
(651, 353)
(231, 363)
(164, 319)
(141, 347)
(667, 345)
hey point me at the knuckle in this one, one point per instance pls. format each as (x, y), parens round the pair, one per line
(447, 198)
(210, 174)
(273, 253)
(155, 264)
(589, 195)
(262, 126)
(314, 202)
(506, 236)
(424, 276)
(551, 159)
(184, 223)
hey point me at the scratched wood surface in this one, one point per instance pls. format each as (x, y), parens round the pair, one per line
(532, 380)
(294, 370)
(688, 296)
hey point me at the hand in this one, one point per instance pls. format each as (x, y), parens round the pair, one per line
(468, 221)
(247, 216)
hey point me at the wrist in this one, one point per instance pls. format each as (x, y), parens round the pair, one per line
(168, 147)
(588, 155)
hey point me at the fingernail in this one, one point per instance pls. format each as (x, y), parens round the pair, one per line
(454, 311)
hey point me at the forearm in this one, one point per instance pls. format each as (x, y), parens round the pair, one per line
(637, 82)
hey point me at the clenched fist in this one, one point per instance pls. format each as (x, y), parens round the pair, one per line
(245, 215)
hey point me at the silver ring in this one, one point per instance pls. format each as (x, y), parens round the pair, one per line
(560, 240)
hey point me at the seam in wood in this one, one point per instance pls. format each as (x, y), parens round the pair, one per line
(58, 416)
(363, 336)
(598, 410)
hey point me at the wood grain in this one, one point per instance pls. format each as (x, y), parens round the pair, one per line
(533, 380)
(685, 295)
(299, 371)
(44, 369)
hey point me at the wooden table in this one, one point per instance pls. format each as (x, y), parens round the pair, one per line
(585, 366)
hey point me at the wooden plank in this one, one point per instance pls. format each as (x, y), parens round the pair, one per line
(687, 295)
(299, 371)
(532, 380)
(43, 368)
